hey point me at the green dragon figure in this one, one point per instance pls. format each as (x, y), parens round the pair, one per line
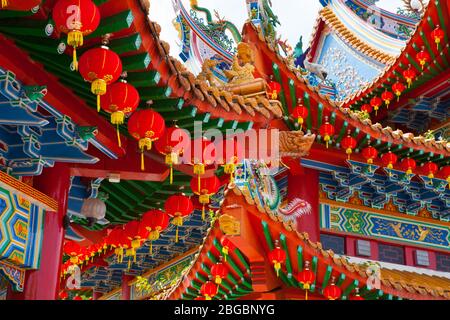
(221, 25)
(34, 93)
(86, 133)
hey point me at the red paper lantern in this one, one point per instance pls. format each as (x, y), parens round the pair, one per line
(118, 241)
(369, 153)
(326, 131)
(332, 291)
(398, 89)
(376, 102)
(135, 235)
(277, 256)
(208, 290)
(387, 97)
(121, 100)
(300, 112)
(423, 57)
(367, 108)
(227, 246)
(430, 169)
(219, 271)
(63, 295)
(73, 250)
(200, 298)
(409, 74)
(349, 143)
(306, 277)
(205, 188)
(274, 89)
(101, 67)
(20, 5)
(203, 153)
(76, 18)
(173, 143)
(78, 298)
(178, 206)
(146, 126)
(408, 165)
(154, 221)
(437, 35)
(389, 159)
(445, 172)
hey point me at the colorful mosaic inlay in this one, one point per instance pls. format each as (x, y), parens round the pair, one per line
(161, 280)
(21, 224)
(367, 223)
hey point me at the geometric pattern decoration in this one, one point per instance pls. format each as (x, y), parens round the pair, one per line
(21, 230)
(381, 226)
(376, 189)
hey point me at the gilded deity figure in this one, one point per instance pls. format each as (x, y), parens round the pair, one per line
(242, 68)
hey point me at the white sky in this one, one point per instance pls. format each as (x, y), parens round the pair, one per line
(297, 17)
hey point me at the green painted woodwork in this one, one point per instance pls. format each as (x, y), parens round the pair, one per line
(290, 276)
(113, 24)
(307, 102)
(346, 292)
(282, 95)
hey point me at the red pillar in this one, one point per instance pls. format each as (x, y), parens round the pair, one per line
(126, 289)
(43, 284)
(306, 187)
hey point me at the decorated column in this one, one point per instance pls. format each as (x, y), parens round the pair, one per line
(43, 283)
(126, 289)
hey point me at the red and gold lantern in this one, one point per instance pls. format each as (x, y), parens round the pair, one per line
(349, 143)
(208, 290)
(389, 159)
(274, 89)
(326, 131)
(369, 153)
(76, 18)
(135, 235)
(277, 257)
(408, 165)
(357, 296)
(387, 97)
(367, 108)
(154, 221)
(172, 144)
(300, 112)
(376, 102)
(423, 57)
(306, 277)
(430, 169)
(437, 35)
(121, 100)
(409, 74)
(101, 67)
(146, 126)
(398, 89)
(228, 153)
(219, 271)
(227, 246)
(332, 291)
(178, 207)
(73, 250)
(205, 189)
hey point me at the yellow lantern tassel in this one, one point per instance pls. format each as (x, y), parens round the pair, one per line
(98, 103)
(306, 294)
(203, 213)
(74, 59)
(218, 280)
(118, 137)
(171, 174)
(349, 152)
(142, 160)
(4, 3)
(129, 263)
(277, 267)
(151, 248)
(207, 297)
(176, 235)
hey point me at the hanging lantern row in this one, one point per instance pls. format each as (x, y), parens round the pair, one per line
(80, 256)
